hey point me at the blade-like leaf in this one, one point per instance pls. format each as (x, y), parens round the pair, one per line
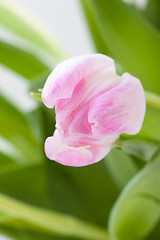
(134, 43)
(137, 210)
(21, 21)
(49, 221)
(150, 128)
(21, 233)
(121, 167)
(140, 148)
(14, 126)
(22, 62)
(99, 41)
(152, 11)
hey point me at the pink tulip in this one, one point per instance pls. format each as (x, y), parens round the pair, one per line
(93, 106)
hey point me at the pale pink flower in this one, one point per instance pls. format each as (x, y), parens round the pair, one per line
(93, 106)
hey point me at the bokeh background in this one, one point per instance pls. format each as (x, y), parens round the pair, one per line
(69, 191)
(66, 20)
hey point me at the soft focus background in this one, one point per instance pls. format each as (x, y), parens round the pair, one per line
(33, 190)
(66, 20)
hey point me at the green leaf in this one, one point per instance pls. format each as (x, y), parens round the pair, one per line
(152, 99)
(21, 233)
(150, 128)
(9, 153)
(152, 12)
(8, 168)
(21, 21)
(155, 233)
(137, 210)
(21, 61)
(96, 34)
(78, 196)
(15, 127)
(134, 43)
(85, 191)
(140, 148)
(10, 158)
(49, 221)
(17, 184)
(121, 167)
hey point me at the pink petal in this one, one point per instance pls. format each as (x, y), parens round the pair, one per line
(65, 107)
(62, 81)
(100, 151)
(75, 156)
(72, 113)
(120, 110)
(59, 152)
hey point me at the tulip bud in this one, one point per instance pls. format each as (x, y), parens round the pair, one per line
(93, 107)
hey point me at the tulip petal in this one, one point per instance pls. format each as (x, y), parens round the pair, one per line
(72, 113)
(62, 81)
(120, 110)
(75, 156)
(66, 155)
(65, 107)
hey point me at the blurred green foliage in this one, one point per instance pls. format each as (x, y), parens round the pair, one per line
(41, 199)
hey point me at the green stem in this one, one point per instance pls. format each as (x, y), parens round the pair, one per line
(36, 96)
(49, 221)
(152, 99)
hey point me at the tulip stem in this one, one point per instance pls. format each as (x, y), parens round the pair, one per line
(36, 96)
(152, 99)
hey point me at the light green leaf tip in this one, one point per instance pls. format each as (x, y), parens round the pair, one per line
(36, 96)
